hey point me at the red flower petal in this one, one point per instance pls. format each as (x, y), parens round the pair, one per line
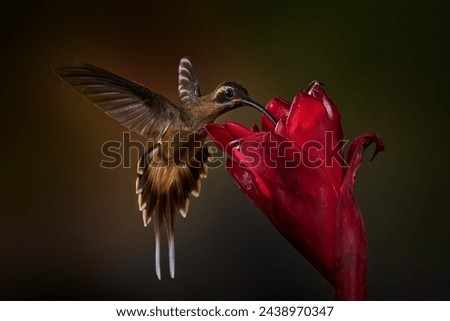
(355, 153)
(351, 239)
(278, 108)
(280, 129)
(315, 89)
(310, 127)
(219, 134)
(237, 130)
(308, 120)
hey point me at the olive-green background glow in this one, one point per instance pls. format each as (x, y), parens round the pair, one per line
(71, 230)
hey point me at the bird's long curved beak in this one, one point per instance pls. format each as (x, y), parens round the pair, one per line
(252, 103)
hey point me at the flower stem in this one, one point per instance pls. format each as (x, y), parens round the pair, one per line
(350, 283)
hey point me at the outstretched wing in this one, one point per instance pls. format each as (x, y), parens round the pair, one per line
(133, 105)
(188, 87)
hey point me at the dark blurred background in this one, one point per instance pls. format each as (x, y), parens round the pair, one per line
(70, 229)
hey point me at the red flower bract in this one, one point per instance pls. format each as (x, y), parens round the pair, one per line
(295, 172)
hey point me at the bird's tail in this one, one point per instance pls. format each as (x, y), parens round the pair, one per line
(163, 190)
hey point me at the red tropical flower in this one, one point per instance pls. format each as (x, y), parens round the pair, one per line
(295, 172)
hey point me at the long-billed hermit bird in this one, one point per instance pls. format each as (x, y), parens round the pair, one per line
(172, 169)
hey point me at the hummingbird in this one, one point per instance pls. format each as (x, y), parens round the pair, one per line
(171, 169)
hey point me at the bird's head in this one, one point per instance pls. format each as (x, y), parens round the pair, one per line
(230, 95)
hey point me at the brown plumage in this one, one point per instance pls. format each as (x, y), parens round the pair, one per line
(171, 170)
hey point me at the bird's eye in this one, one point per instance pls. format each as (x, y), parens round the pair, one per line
(229, 93)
